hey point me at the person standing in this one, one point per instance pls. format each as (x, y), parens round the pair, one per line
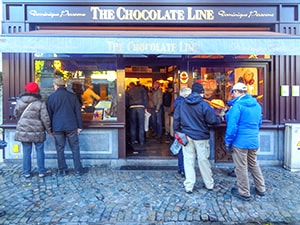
(156, 114)
(244, 119)
(168, 107)
(183, 93)
(192, 117)
(89, 96)
(65, 114)
(137, 102)
(33, 122)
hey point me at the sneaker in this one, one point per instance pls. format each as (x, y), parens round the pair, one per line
(260, 193)
(189, 191)
(235, 193)
(41, 175)
(27, 175)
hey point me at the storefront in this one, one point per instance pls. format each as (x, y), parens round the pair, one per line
(108, 44)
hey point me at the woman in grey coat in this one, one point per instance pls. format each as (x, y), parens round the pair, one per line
(33, 122)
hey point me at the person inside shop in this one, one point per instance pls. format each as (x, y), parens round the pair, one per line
(244, 119)
(77, 89)
(192, 117)
(66, 120)
(33, 123)
(168, 108)
(156, 112)
(89, 96)
(137, 102)
(183, 93)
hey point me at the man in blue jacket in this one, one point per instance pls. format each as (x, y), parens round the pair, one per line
(192, 117)
(66, 119)
(242, 139)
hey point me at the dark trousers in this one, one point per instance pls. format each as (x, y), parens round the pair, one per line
(137, 124)
(157, 121)
(60, 142)
(180, 161)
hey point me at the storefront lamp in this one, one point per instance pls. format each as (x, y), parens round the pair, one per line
(111, 76)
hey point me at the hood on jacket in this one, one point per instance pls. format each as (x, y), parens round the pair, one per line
(30, 97)
(193, 99)
(247, 101)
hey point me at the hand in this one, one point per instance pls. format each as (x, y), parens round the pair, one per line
(222, 113)
(79, 130)
(229, 148)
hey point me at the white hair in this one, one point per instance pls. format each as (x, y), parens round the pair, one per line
(185, 91)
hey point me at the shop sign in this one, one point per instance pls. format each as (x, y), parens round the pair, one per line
(150, 14)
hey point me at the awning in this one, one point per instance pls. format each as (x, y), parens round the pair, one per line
(151, 42)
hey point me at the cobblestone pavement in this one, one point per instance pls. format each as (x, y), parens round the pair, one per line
(107, 195)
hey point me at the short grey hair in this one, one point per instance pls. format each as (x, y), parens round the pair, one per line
(185, 91)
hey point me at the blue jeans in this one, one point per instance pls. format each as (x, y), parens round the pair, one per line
(40, 157)
(137, 123)
(180, 161)
(157, 121)
(60, 142)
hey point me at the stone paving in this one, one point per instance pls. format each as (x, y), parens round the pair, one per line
(107, 195)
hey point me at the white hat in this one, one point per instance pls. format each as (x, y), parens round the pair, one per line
(240, 87)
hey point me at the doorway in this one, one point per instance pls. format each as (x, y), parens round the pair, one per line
(153, 147)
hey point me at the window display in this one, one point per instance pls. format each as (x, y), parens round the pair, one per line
(218, 81)
(95, 89)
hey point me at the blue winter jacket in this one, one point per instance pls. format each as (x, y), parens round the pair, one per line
(192, 117)
(243, 122)
(64, 110)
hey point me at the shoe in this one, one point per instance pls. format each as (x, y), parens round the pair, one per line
(235, 193)
(188, 192)
(27, 175)
(62, 173)
(260, 193)
(82, 171)
(42, 175)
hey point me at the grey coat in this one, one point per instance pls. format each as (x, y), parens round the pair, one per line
(32, 125)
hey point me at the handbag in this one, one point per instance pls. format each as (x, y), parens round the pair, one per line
(175, 147)
(181, 138)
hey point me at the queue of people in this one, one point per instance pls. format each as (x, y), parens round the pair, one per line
(243, 118)
(61, 118)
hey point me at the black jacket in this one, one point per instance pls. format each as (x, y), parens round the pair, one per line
(192, 117)
(64, 110)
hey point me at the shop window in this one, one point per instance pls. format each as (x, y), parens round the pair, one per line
(218, 81)
(103, 106)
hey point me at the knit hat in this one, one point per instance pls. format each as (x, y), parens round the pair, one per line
(59, 82)
(32, 87)
(198, 88)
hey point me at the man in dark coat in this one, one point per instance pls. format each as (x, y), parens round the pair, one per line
(65, 114)
(137, 102)
(192, 117)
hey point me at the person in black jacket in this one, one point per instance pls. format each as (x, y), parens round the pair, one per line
(137, 102)
(66, 119)
(192, 117)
